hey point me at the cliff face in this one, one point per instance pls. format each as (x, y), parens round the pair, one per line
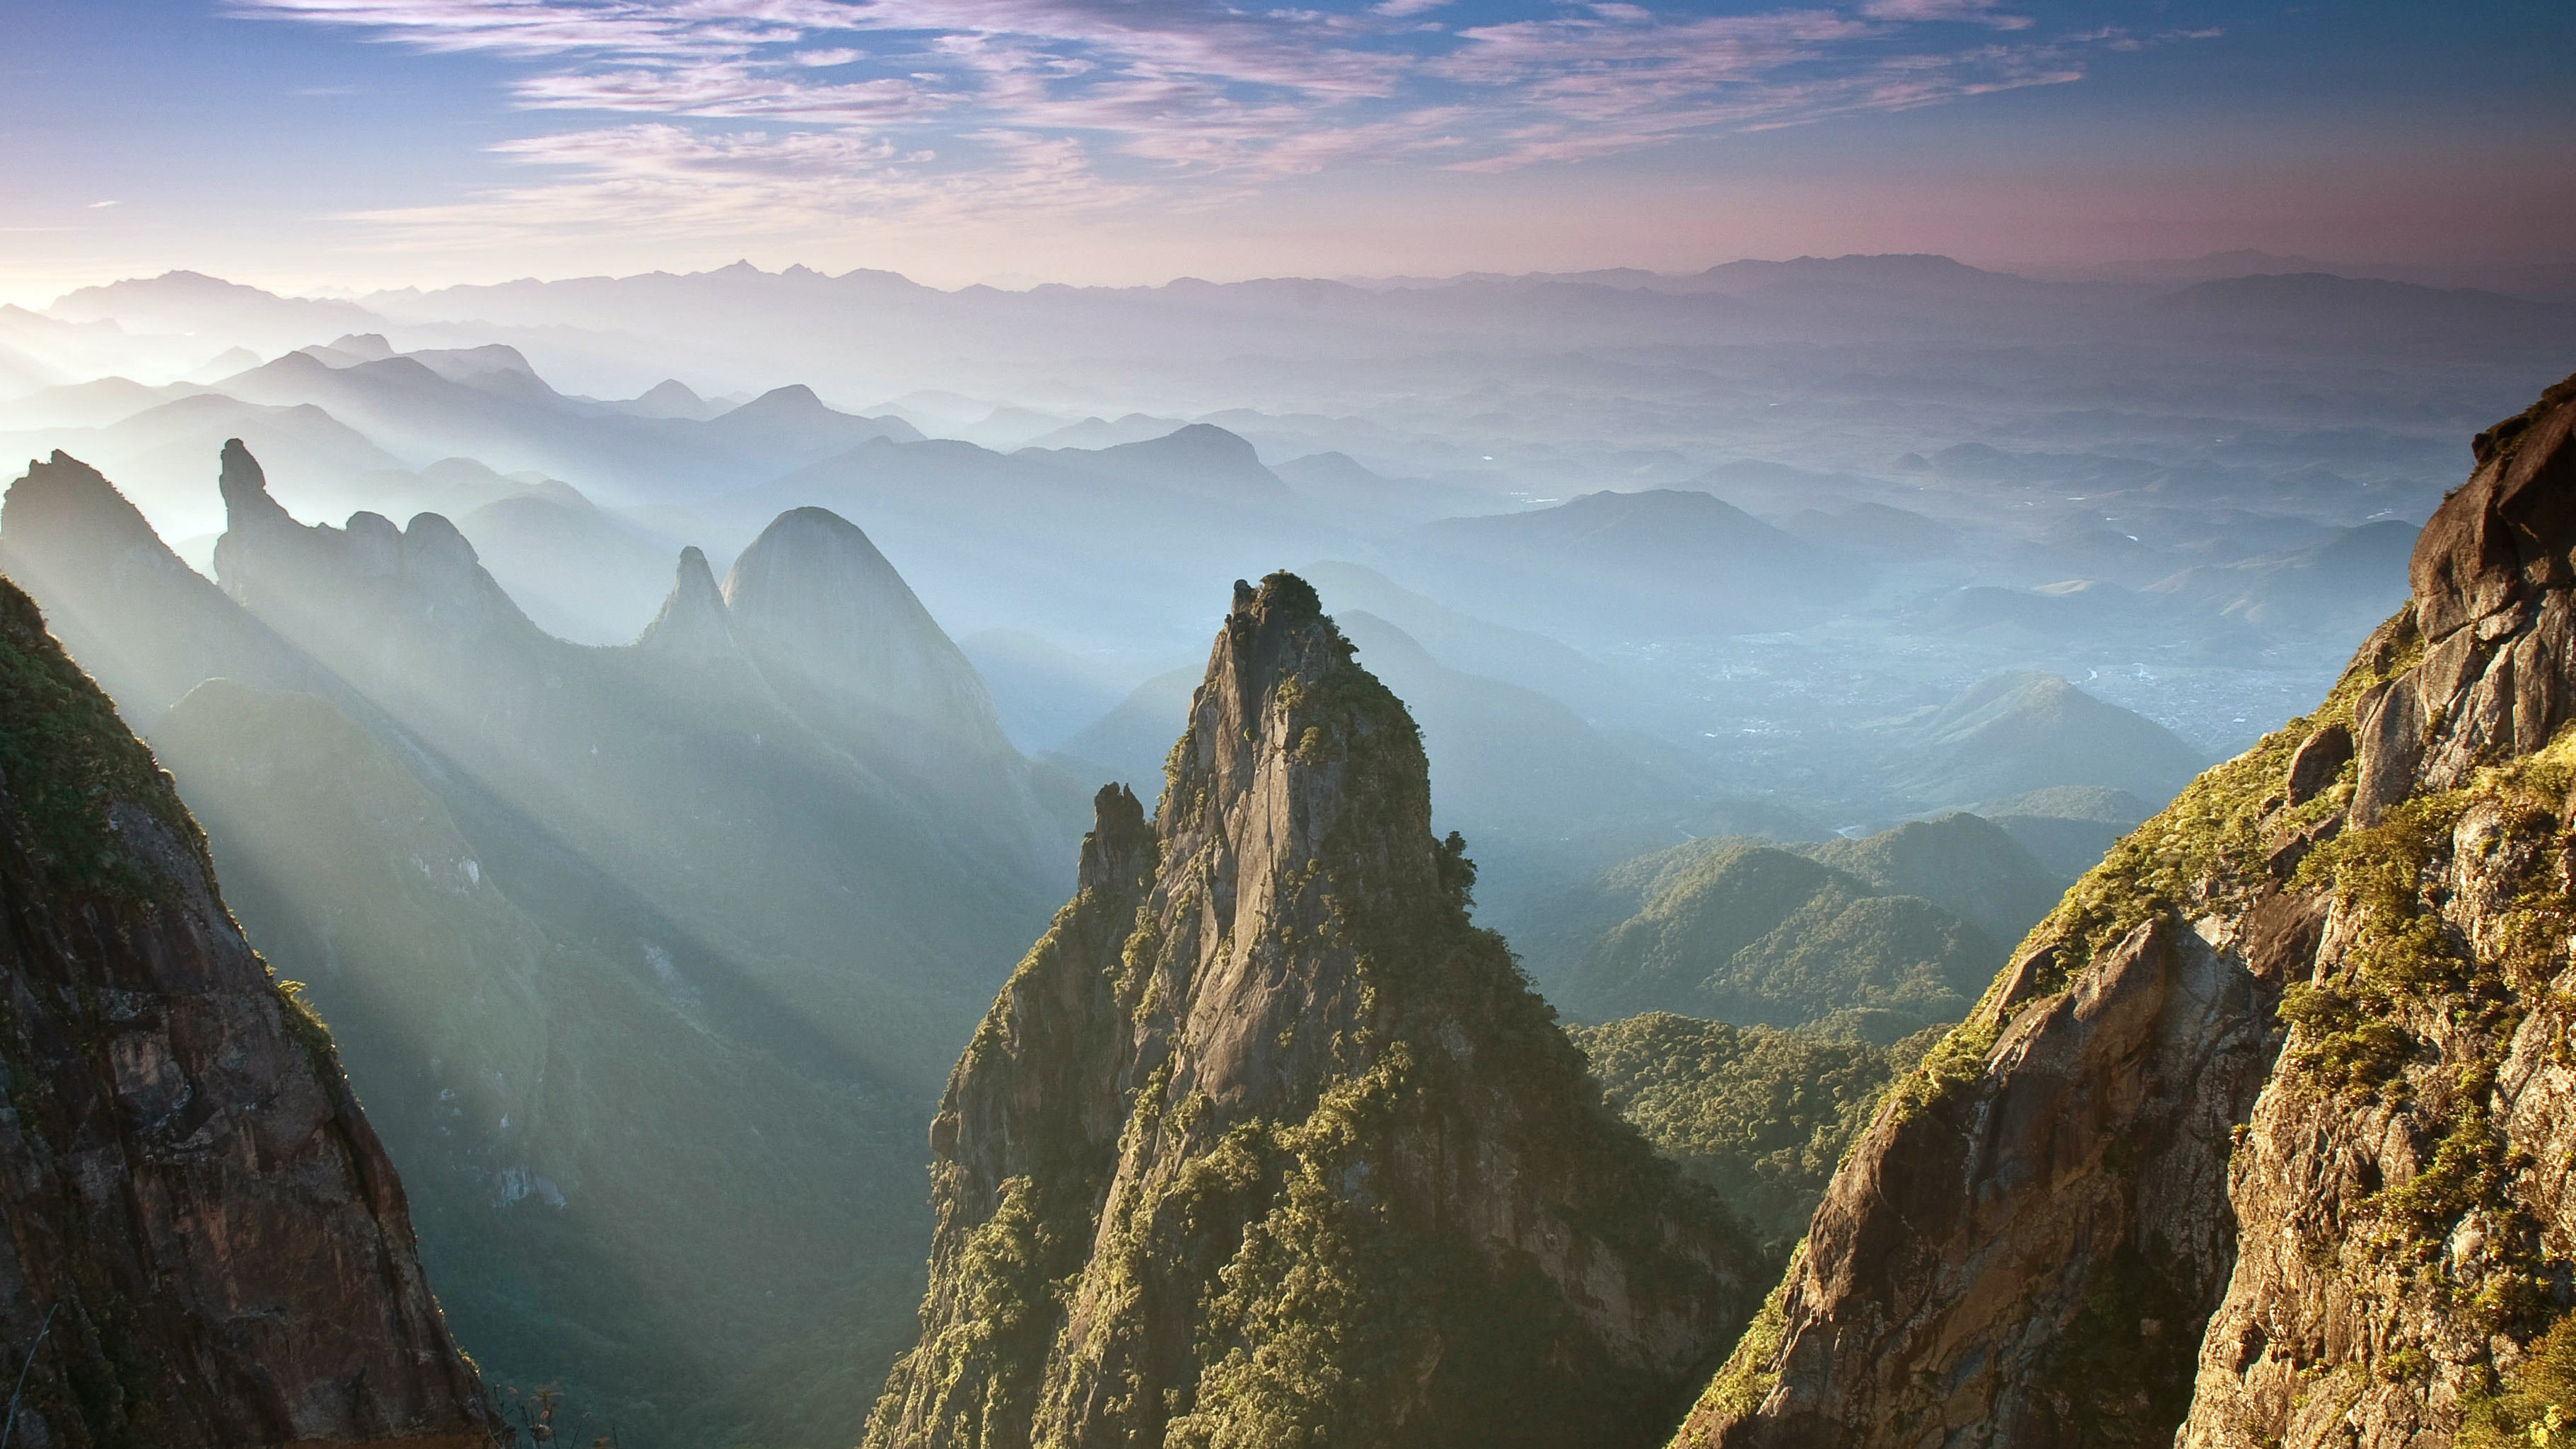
(188, 1187)
(1265, 1144)
(141, 622)
(2264, 1137)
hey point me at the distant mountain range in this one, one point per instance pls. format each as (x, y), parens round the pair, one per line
(645, 955)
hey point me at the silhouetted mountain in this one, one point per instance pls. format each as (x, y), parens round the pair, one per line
(184, 302)
(485, 403)
(2316, 308)
(145, 625)
(1628, 565)
(1197, 460)
(1344, 484)
(2340, 586)
(581, 572)
(1462, 641)
(669, 398)
(993, 540)
(1962, 863)
(713, 799)
(852, 652)
(95, 404)
(1875, 529)
(651, 899)
(161, 452)
(2068, 828)
(1504, 757)
(1043, 693)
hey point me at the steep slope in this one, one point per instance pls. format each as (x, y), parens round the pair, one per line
(2264, 1136)
(2016, 733)
(848, 647)
(1963, 863)
(568, 1107)
(141, 621)
(1265, 1143)
(1761, 1116)
(1763, 935)
(199, 1224)
(649, 1029)
(869, 912)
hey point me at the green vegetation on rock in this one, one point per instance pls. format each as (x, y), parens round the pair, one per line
(67, 760)
(1761, 1116)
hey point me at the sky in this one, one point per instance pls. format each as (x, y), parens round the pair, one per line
(314, 145)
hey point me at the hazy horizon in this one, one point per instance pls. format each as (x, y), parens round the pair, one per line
(358, 144)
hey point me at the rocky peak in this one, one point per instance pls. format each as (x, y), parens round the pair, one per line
(193, 1210)
(2492, 614)
(69, 509)
(2264, 1135)
(141, 621)
(1311, 1156)
(813, 595)
(275, 565)
(693, 622)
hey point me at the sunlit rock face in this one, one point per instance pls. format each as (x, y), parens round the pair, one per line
(197, 1219)
(1266, 1143)
(2265, 1136)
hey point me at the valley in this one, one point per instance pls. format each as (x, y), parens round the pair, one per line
(1659, 783)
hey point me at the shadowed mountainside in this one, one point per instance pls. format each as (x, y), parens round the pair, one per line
(200, 1227)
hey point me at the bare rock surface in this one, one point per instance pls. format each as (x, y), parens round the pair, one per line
(198, 1221)
(2264, 1137)
(1266, 1144)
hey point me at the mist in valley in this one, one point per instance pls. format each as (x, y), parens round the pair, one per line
(654, 714)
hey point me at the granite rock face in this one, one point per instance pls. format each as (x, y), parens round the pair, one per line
(1266, 1144)
(2264, 1137)
(188, 1188)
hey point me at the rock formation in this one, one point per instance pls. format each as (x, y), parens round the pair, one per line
(1265, 1144)
(578, 915)
(846, 644)
(139, 620)
(200, 1226)
(2264, 1137)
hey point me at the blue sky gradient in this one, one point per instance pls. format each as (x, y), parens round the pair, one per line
(357, 143)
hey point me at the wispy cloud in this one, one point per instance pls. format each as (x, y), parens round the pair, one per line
(1981, 12)
(1158, 97)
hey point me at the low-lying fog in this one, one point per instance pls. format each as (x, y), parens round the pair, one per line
(650, 960)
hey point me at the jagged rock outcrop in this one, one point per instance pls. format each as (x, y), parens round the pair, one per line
(141, 621)
(2264, 1136)
(198, 1221)
(1266, 1144)
(693, 622)
(579, 915)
